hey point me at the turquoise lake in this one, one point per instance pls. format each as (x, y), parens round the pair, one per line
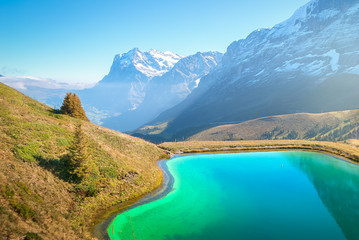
(265, 195)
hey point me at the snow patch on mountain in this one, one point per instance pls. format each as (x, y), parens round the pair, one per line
(353, 70)
(152, 63)
(334, 62)
(313, 64)
(167, 59)
(299, 15)
(197, 81)
(293, 24)
(259, 73)
(329, 13)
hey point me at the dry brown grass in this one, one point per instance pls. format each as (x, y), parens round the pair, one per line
(353, 142)
(340, 149)
(35, 195)
(332, 126)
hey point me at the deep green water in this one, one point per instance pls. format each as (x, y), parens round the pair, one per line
(270, 195)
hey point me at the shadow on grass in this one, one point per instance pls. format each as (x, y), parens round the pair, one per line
(57, 166)
(55, 111)
(61, 170)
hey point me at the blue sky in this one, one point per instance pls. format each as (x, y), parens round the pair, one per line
(76, 40)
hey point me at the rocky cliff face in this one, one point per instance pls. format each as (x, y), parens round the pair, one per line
(165, 91)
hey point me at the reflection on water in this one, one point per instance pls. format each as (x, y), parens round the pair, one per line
(272, 195)
(337, 184)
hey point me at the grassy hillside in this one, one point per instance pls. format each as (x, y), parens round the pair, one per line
(332, 126)
(36, 196)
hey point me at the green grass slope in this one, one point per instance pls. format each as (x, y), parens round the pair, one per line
(36, 197)
(332, 126)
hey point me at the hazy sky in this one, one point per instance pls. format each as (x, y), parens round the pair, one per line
(76, 40)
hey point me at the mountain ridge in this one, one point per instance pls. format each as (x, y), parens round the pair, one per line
(167, 90)
(298, 65)
(152, 63)
(124, 87)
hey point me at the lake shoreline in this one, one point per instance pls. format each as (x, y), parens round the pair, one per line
(341, 150)
(100, 229)
(340, 157)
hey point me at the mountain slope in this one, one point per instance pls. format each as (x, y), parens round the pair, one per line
(37, 196)
(124, 88)
(333, 126)
(308, 63)
(167, 90)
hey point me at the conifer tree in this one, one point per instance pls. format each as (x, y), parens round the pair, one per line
(72, 106)
(78, 158)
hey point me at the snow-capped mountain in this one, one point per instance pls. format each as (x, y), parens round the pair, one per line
(124, 88)
(311, 42)
(308, 63)
(164, 79)
(152, 63)
(167, 90)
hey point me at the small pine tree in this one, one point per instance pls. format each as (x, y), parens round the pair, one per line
(72, 106)
(78, 158)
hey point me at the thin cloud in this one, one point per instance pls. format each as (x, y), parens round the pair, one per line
(11, 71)
(23, 82)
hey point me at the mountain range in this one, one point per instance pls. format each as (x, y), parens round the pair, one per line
(124, 87)
(308, 63)
(165, 91)
(162, 79)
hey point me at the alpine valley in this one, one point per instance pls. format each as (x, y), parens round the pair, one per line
(259, 141)
(297, 66)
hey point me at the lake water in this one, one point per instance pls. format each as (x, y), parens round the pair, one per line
(268, 195)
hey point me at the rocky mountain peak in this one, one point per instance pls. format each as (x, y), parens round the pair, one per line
(152, 63)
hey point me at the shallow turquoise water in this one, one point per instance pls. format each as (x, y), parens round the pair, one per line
(270, 195)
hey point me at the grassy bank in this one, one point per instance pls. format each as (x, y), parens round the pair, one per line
(347, 150)
(37, 198)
